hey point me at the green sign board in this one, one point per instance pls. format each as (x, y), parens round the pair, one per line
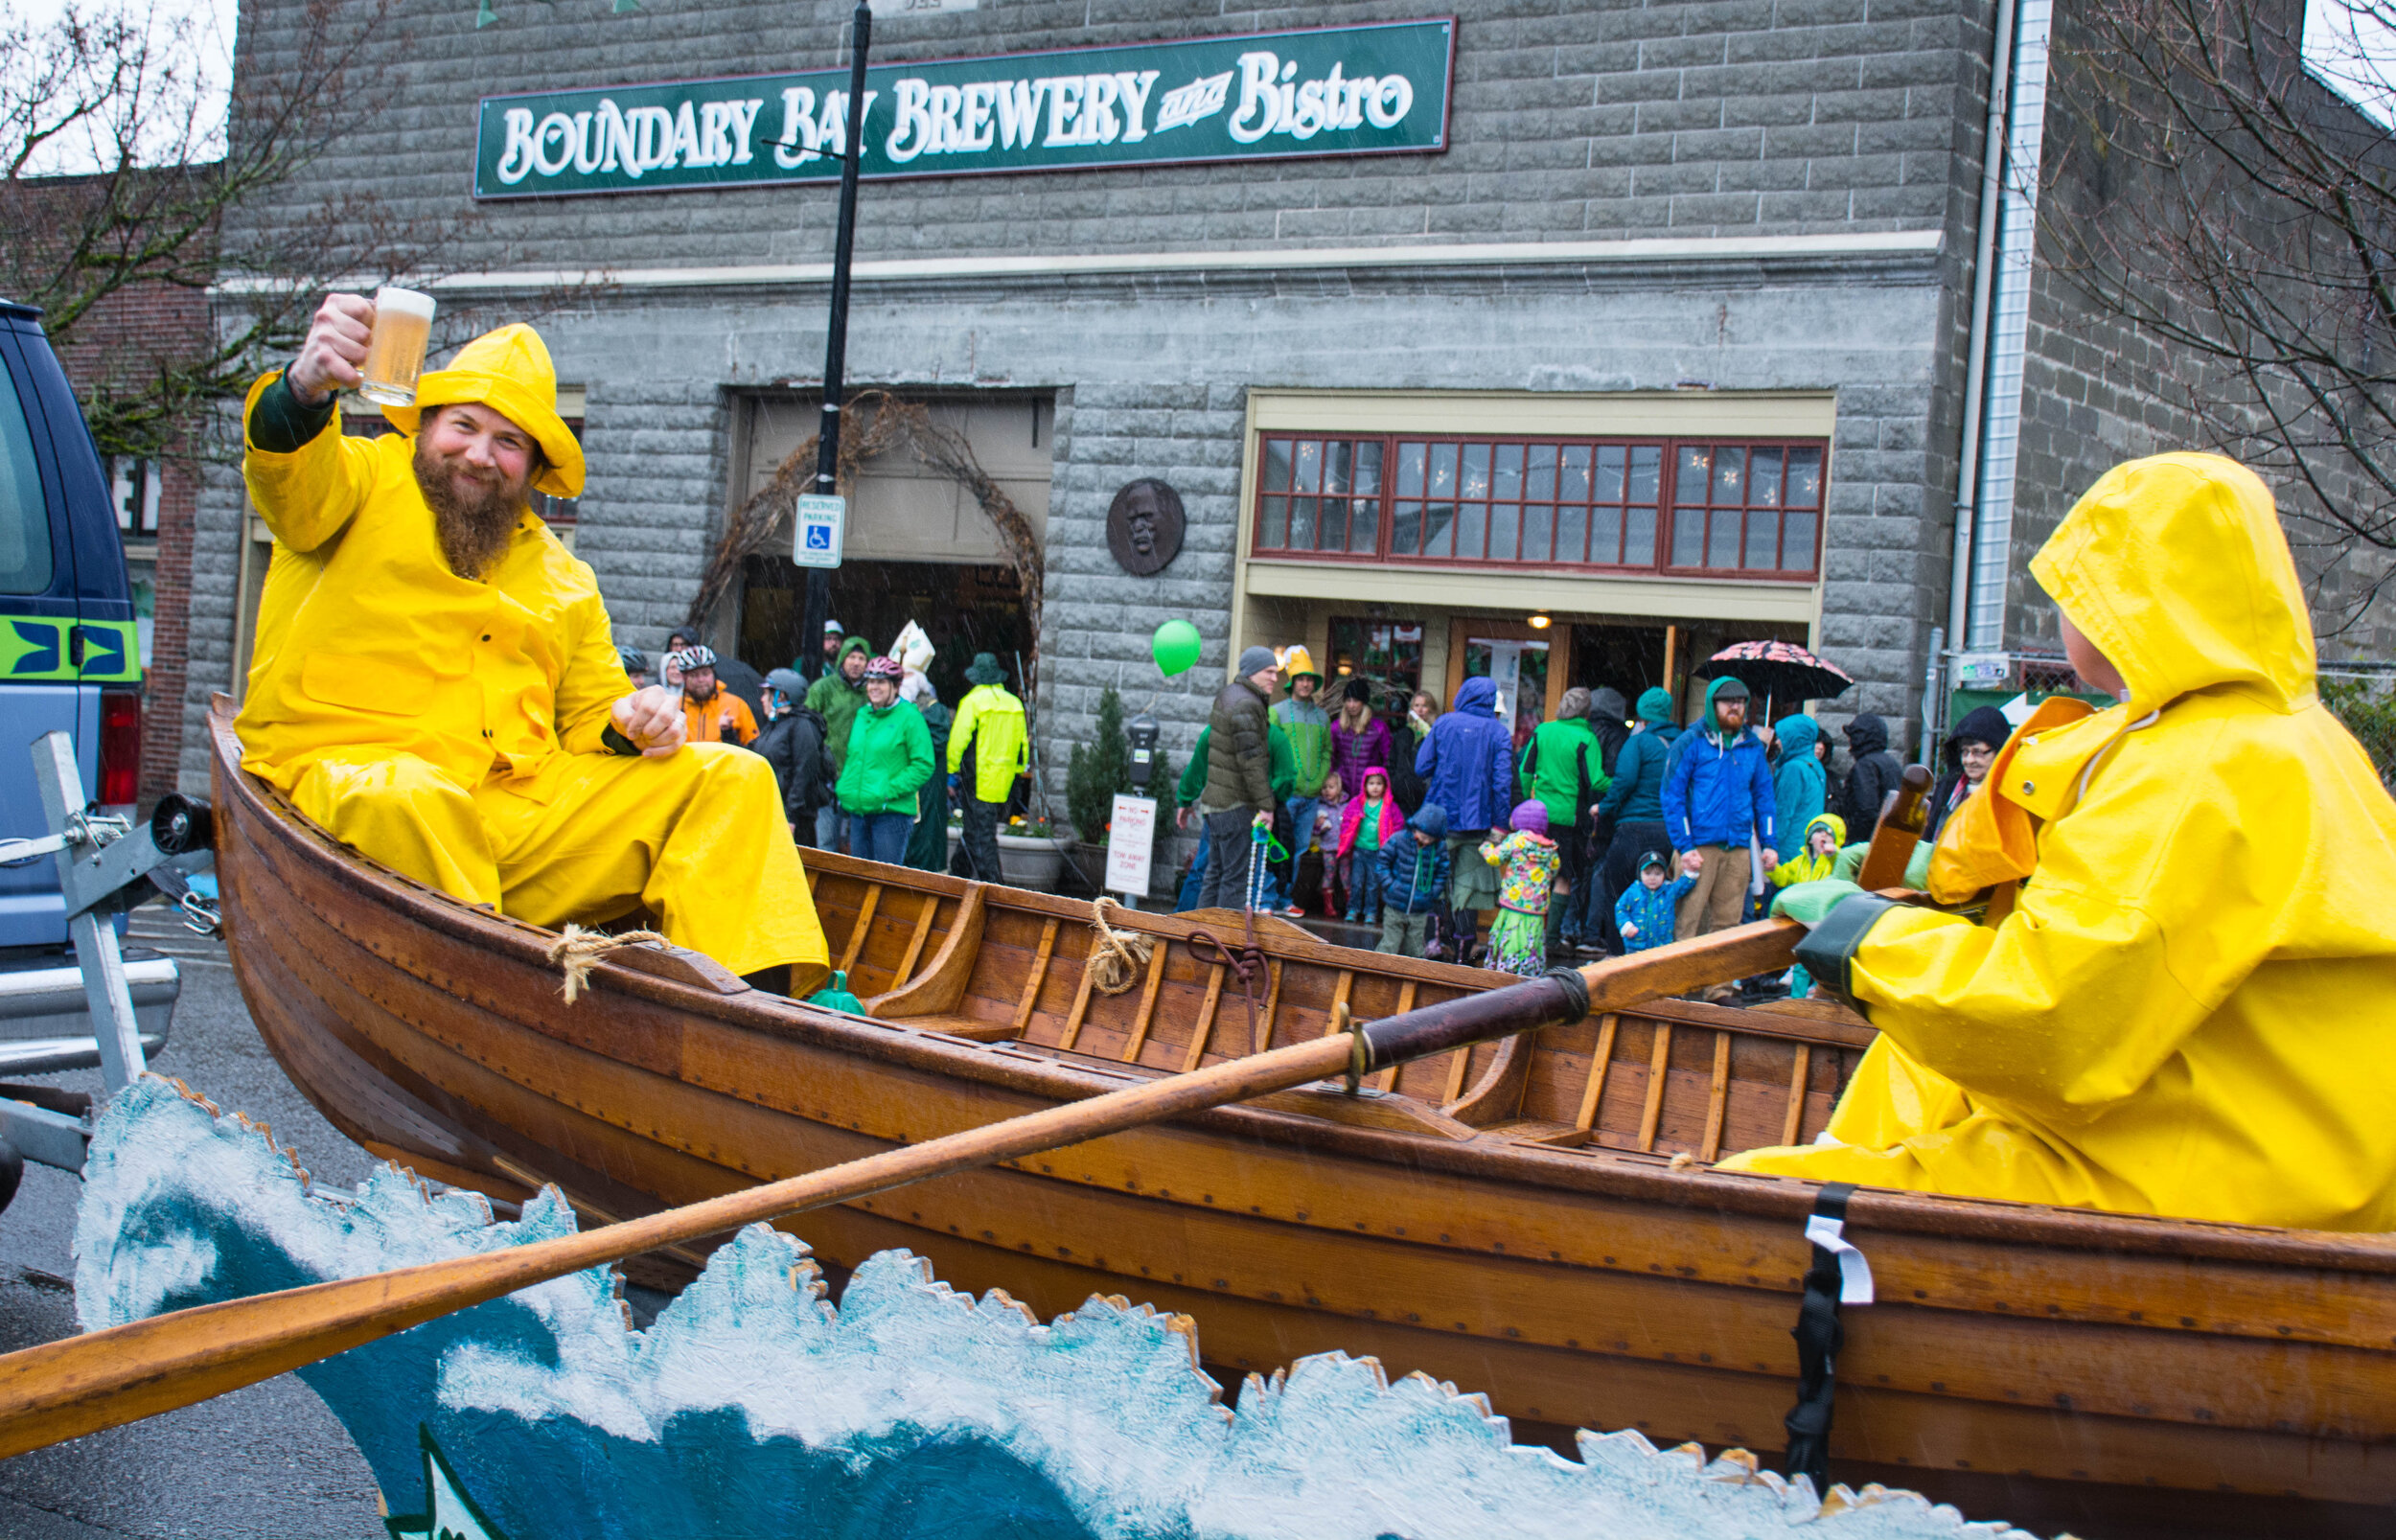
(1332, 91)
(110, 650)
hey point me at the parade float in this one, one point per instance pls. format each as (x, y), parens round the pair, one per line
(1532, 1216)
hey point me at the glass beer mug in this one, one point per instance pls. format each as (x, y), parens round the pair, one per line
(395, 353)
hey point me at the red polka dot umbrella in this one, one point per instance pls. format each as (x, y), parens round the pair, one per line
(1779, 671)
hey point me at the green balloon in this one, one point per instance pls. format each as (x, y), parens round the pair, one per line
(1175, 647)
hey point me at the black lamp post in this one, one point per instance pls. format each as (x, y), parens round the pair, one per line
(835, 333)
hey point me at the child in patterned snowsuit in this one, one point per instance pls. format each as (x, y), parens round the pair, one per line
(1526, 860)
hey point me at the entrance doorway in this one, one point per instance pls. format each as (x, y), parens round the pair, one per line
(1626, 659)
(965, 610)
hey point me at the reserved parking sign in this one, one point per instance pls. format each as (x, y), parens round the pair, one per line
(822, 522)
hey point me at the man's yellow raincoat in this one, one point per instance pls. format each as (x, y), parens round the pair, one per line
(451, 727)
(2192, 1008)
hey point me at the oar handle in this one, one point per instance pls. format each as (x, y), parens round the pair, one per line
(1906, 814)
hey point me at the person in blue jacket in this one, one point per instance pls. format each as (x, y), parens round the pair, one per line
(1468, 765)
(1717, 799)
(1644, 915)
(1634, 806)
(1413, 881)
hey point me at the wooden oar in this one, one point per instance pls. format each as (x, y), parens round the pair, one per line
(80, 1385)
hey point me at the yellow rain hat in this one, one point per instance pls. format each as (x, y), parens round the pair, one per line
(1297, 661)
(508, 371)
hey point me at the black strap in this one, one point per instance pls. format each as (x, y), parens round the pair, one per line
(1819, 1338)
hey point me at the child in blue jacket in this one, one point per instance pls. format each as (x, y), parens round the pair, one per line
(1413, 881)
(1643, 913)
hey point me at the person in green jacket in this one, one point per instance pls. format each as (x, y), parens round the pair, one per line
(1283, 773)
(836, 698)
(990, 731)
(1308, 726)
(1564, 766)
(888, 760)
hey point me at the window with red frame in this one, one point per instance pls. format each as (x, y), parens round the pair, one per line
(1744, 508)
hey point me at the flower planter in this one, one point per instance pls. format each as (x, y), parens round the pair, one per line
(1029, 861)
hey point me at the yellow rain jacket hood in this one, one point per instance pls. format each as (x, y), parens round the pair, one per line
(508, 371)
(2191, 1010)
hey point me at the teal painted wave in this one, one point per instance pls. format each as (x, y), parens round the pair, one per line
(752, 1408)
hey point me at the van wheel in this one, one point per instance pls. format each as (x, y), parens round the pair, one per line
(12, 1171)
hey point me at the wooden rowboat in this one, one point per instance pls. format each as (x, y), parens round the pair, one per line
(1533, 1219)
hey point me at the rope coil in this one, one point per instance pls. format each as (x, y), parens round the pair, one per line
(1117, 958)
(576, 950)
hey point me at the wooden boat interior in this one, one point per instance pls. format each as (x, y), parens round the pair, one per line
(1673, 1078)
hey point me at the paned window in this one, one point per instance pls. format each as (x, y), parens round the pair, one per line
(1743, 509)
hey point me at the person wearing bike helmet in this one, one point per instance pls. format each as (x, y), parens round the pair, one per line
(716, 716)
(889, 758)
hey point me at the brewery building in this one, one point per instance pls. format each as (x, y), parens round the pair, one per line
(1561, 340)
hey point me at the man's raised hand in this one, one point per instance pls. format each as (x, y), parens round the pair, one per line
(335, 349)
(653, 719)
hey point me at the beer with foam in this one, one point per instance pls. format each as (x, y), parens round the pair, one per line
(395, 353)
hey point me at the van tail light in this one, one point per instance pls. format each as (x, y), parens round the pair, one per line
(119, 746)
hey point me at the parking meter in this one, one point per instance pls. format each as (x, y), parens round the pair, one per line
(1141, 733)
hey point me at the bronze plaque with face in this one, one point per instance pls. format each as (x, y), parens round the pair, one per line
(1144, 526)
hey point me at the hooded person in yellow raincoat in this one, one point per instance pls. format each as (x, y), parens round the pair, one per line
(2191, 1007)
(434, 680)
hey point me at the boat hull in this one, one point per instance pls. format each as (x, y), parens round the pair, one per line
(2092, 1363)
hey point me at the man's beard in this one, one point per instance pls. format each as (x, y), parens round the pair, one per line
(475, 529)
(696, 696)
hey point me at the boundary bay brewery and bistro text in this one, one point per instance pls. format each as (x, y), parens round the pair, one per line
(1334, 91)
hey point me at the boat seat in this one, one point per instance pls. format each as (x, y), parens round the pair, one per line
(964, 1026)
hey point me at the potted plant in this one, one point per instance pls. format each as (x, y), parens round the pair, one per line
(1031, 853)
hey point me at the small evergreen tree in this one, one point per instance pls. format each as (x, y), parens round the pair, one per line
(1097, 770)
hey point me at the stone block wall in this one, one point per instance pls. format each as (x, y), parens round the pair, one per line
(1571, 119)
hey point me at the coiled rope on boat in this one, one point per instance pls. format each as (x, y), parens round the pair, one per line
(1117, 958)
(576, 950)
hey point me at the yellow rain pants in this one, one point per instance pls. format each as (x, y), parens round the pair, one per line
(452, 728)
(2191, 1009)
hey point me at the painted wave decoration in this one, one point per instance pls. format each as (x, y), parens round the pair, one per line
(752, 1408)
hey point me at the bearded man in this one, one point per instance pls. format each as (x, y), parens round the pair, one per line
(435, 682)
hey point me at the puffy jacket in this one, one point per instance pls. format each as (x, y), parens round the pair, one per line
(724, 717)
(1352, 820)
(1309, 730)
(2191, 1008)
(990, 727)
(889, 758)
(1719, 793)
(1872, 776)
(1800, 790)
(1352, 753)
(1414, 875)
(1560, 768)
(1239, 758)
(1637, 793)
(1467, 762)
(836, 702)
(792, 744)
(1193, 790)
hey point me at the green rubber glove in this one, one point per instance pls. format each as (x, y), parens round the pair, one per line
(1807, 903)
(835, 995)
(1850, 861)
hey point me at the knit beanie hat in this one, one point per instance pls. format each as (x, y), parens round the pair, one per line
(1656, 706)
(1255, 660)
(1532, 817)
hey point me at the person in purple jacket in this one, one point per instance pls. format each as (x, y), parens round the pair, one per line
(1360, 741)
(1719, 802)
(1468, 765)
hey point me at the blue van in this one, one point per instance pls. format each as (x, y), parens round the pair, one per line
(70, 660)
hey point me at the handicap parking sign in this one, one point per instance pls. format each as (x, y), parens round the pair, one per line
(822, 523)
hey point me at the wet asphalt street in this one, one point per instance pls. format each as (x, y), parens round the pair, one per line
(267, 1462)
